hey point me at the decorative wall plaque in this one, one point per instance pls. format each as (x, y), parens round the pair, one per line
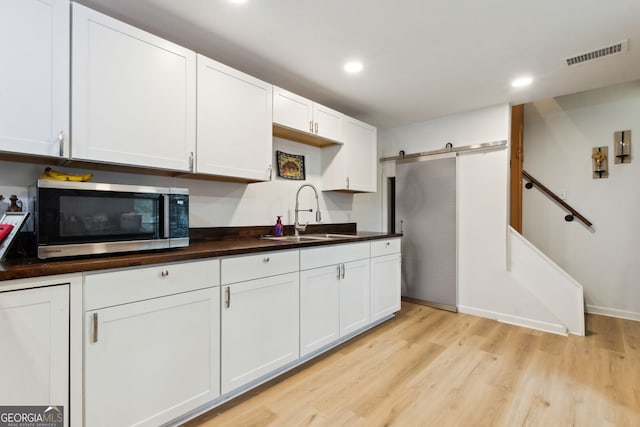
(290, 166)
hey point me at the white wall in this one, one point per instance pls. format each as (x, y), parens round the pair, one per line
(485, 286)
(221, 204)
(474, 127)
(559, 134)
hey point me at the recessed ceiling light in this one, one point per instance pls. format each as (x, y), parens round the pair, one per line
(237, 1)
(522, 81)
(353, 67)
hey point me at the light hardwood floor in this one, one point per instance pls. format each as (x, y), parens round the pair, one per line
(429, 367)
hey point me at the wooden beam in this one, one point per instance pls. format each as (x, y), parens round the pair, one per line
(515, 180)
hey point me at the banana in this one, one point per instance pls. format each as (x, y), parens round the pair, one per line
(60, 176)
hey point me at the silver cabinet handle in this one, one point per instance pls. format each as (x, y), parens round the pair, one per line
(95, 327)
(269, 172)
(401, 226)
(338, 276)
(61, 143)
(266, 259)
(316, 132)
(311, 126)
(343, 269)
(347, 183)
(227, 297)
(164, 273)
(191, 162)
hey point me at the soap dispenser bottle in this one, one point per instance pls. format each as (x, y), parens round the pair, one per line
(279, 228)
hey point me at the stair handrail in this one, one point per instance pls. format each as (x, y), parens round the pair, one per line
(572, 212)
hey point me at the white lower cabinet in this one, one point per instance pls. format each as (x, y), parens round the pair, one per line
(260, 328)
(354, 296)
(385, 277)
(385, 285)
(150, 361)
(34, 360)
(334, 299)
(173, 337)
(319, 307)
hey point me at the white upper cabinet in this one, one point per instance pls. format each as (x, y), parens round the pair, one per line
(292, 111)
(327, 122)
(295, 112)
(133, 95)
(353, 165)
(235, 114)
(34, 88)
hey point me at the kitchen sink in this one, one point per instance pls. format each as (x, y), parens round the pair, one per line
(339, 236)
(296, 238)
(309, 237)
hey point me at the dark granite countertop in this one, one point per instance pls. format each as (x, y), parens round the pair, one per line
(205, 243)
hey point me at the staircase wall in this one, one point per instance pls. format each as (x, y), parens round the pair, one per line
(486, 287)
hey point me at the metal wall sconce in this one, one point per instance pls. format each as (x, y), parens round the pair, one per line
(622, 146)
(600, 162)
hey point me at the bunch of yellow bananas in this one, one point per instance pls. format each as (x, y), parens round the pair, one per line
(61, 176)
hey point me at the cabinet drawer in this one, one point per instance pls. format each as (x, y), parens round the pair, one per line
(135, 284)
(333, 254)
(249, 267)
(385, 247)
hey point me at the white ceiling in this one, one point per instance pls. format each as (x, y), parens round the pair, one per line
(422, 58)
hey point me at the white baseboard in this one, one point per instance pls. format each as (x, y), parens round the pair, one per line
(515, 320)
(613, 312)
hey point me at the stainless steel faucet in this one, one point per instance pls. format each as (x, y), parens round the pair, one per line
(296, 224)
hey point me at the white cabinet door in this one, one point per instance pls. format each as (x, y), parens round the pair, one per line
(319, 307)
(234, 134)
(34, 360)
(354, 296)
(385, 285)
(260, 328)
(151, 361)
(353, 165)
(361, 155)
(34, 88)
(133, 95)
(292, 111)
(295, 112)
(327, 122)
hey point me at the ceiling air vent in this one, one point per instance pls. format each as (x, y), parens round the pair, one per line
(614, 49)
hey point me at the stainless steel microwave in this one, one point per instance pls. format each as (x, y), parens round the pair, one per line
(87, 218)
